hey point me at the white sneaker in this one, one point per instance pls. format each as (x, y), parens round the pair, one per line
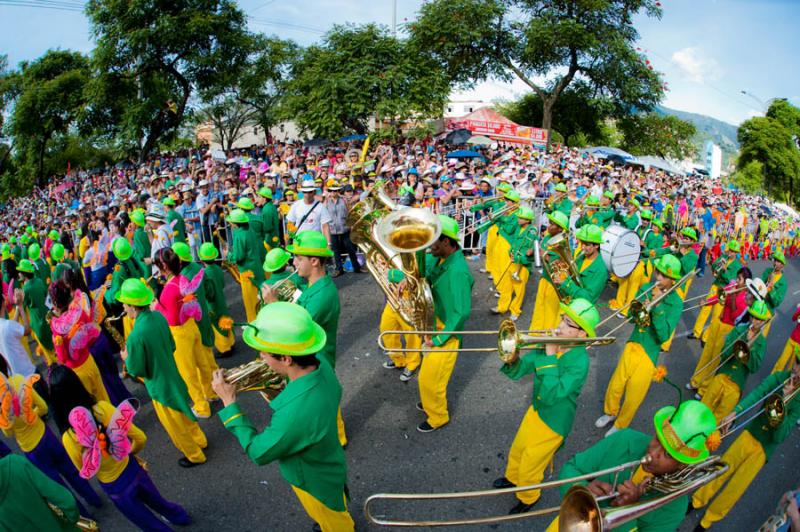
(611, 431)
(497, 295)
(198, 416)
(514, 317)
(689, 386)
(604, 420)
(406, 375)
(483, 270)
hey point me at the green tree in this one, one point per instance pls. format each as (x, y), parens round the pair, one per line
(655, 134)
(559, 41)
(749, 178)
(152, 56)
(358, 72)
(228, 117)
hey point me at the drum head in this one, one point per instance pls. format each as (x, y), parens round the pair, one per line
(620, 250)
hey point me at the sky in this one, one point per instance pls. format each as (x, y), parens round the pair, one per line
(722, 58)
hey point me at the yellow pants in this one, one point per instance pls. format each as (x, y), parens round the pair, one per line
(710, 356)
(705, 312)
(340, 427)
(223, 341)
(501, 260)
(193, 365)
(249, 296)
(788, 357)
(89, 374)
(127, 326)
(185, 434)
(532, 450)
(328, 520)
(721, 396)
(491, 240)
(547, 307)
(745, 457)
(628, 286)
(437, 366)
(391, 321)
(767, 327)
(681, 291)
(632, 377)
(512, 292)
(210, 365)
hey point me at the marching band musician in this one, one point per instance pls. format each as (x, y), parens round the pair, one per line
(726, 387)
(776, 284)
(57, 253)
(628, 286)
(560, 201)
(592, 269)
(506, 225)
(751, 450)
(513, 281)
(302, 434)
(126, 268)
(545, 310)
(681, 439)
(590, 213)
(634, 371)
(39, 264)
(689, 259)
(269, 219)
(408, 361)
(724, 269)
(175, 220)
(486, 209)
(214, 287)
(245, 254)
(35, 293)
(605, 215)
(255, 224)
(141, 242)
(652, 242)
(558, 376)
(787, 360)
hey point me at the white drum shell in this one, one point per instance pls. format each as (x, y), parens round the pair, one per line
(620, 250)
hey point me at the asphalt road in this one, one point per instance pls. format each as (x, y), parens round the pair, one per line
(387, 454)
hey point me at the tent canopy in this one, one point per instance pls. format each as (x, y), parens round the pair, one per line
(606, 151)
(488, 122)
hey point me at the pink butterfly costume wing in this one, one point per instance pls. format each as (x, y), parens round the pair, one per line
(191, 307)
(119, 446)
(85, 428)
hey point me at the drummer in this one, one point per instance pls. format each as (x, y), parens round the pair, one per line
(605, 215)
(630, 284)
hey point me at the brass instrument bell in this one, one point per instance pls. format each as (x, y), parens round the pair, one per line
(775, 410)
(741, 350)
(255, 375)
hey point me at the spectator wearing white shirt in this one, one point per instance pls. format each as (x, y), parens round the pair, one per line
(308, 214)
(12, 335)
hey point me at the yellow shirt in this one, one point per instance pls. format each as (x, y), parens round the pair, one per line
(27, 436)
(110, 469)
(83, 245)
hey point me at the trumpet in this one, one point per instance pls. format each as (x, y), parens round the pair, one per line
(574, 510)
(255, 375)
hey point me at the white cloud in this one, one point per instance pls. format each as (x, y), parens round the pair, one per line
(696, 66)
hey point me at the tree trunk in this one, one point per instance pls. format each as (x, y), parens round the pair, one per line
(40, 172)
(547, 117)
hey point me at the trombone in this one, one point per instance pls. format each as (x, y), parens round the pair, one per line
(772, 406)
(720, 298)
(479, 226)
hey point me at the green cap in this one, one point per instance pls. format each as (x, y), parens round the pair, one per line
(590, 233)
(276, 259)
(559, 218)
(449, 227)
(24, 240)
(734, 246)
(135, 292)
(138, 217)
(121, 248)
(208, 251)
(526, 213)
(168, 201)
(245, 204)
(29, 230)
(53, 234)
(34, 251)
(646, 214)
(25, 266)
(265, 192)
(669, 265)
(310, 244)
(504, 187)
(237, 216)
(57, 252)
(561, 187)
(689, 233)
(5, 252)
(592, 201)
(658, 223)
(183, 251)
(584, 313)
(759, 310)
(608, 194)
(13, 240)
(511, 195)
(779, 256)
(284, 329)
(635, 202)
(683, 431)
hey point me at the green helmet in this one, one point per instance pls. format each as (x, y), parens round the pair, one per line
(122, 248)
(135, 292)
(584, 313)
(265, 192)
(310, 244)
(590, 233)
(779, 256)
(168, 201)
(208, 251)
(449, 227)
(57, 252)
(284, 329)
(669, 265)
(559, 218)
(237, 216)
(646, 214)
(34, 251)
(183, 251)
(683, 431)
(512, 195)
(245, 204)
(592, 201)
(25, 266)
(526, 213)
(759, 310)
(53, 234)
(276, 259)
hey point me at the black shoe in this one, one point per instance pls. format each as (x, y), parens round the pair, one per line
(337, 273)
(702, 344)
(226, 354)
(426, 427)
(185, 462)
(316, 528)
(691, 336)
(502, 483)
(699, 528)
(521, 508)
(419, 406)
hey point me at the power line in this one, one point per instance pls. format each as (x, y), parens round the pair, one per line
(56, 7)
(289, 25)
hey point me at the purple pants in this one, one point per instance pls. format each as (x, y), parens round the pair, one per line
(103, 355)
(135, 495)
(52, 460)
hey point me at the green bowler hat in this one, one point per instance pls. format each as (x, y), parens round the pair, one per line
(53, 234)
(25, 266)
(122, 248)
(208, 251)
(669, 265)
(183, 251)
(168, 201)
(284, 329)
(646, 214)
(759, 310)
(503, 187)
(590, 233)
(5, 252)
(449, 227)
(658, 223)
(734, 246)
(683, 431)
(245, 204)
(689, 233)
(779, 256)
(560, 219)
(634, 202)
(310, 244)
(34, 251)
(592, 201)
(138, 217)
(511, 195)
(276, 259)
(265, 192)
(135, 292)
(526, 213)
(57, 252)
(584, 313)
(609, 195)
(237, 216)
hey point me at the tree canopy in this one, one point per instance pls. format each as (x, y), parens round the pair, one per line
(654, 134)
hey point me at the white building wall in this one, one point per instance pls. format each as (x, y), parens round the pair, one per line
(713, 160)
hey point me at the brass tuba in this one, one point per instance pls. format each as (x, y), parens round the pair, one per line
(389, 238)
(558, 263)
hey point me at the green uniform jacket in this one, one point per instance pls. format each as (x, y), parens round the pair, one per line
(279, 276)
(507, 226)
(565, 206)
(688, 261)
(35, 294)
(42, 270)
(244, 253)
(775, 296)
(604, 217)
(24, 494)
(257, 227)
(768, 437)
(557, 382)
(487, 208)
(593, 280)
(451, 283)
(180, 226)
(141, 247)
(150, 357)
(664, 319)
(523, 241)
(622, 447)
(652, 244)
(321, 300)
(214, 287)
(545, 241)
(733, 368)
(301, 436)
(271, 223)
(124, 270)
(728, 274)
(17, 251)
(66, 264)
(631, 221)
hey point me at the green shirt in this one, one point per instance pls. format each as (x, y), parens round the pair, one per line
(257, 228)
(124, 270)
(775, 296)
(728, 268)
(557, 382)
(42, 270)
(214, 287)
(302, 436)
(604, 217)
(630, 221)
(565, 206)
(521, 243)
(622, 447)
(150, 357)
(769, 437)
(734, 368)
(451, 283)
(593, 279)
(180, 226)
(35, 294)
(276, 277)
(688, 261)
(507, 226)
(141, 245)
(652, 244)
(271, 223)
(321, 300)
(206, 332)
(663, 320)
(244, 253)
(24, 494)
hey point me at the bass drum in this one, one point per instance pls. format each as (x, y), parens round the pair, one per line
(620, 250)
